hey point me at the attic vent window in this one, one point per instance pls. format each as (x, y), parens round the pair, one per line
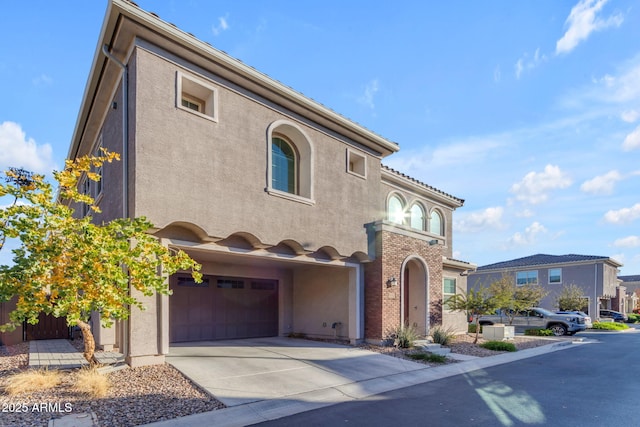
(197, 96)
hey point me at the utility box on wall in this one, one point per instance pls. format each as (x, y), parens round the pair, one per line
(498, 332)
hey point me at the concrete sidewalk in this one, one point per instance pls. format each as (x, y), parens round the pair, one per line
(61, 354)
(261, 380)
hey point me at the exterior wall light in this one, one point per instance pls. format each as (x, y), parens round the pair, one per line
(392, 282)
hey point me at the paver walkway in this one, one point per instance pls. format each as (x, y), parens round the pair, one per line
(61, 354)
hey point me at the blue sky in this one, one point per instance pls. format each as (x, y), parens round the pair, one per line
(528, 110)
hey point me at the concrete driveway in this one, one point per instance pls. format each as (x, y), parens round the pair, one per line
(237, 372)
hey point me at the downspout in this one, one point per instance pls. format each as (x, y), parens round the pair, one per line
(125, 164)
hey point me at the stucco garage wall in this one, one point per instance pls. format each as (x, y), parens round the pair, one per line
(321, 297)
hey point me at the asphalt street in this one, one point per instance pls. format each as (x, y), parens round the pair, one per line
(596, 383)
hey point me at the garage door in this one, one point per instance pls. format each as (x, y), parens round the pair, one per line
(222, 308)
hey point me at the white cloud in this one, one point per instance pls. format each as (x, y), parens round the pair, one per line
(529, 235)
(627, 242)
(630, 116)
(624, 215)
(43, 80)
(18, 151)
(527, 63)
(632, 141)
(582, 21)
(223, 25)
(497, 74)
(603, 184)
(489, 218)
(370, 91)
(524, 213)
(535, 186)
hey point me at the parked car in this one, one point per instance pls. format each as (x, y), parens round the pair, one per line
(585, 316)
(615, 315)
(539, 318)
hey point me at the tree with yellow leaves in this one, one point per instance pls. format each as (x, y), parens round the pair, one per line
(68, 266)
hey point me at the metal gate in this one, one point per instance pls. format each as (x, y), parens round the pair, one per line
(47, 328)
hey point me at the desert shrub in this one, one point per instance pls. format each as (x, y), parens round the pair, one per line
(442, 336)
(609, 326)
(539, 332)
(32, 380)
(91, 382)
(403, 336)
(428, 357)
(499, 346)
(472, 328)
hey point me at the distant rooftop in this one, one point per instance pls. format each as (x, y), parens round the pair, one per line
(634, 278)
(542, 259)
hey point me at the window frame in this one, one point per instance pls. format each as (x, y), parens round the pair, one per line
(423, 222)
(356, 164)
(440, 231)
(401, 212)
(528, 274)
(197, 90)
(447, 295)
(96, 188)
(295, 161)
(303, 146)
(558, 282)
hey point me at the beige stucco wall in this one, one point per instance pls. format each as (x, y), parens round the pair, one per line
(455, 320)
(214, 174)
(320, 298)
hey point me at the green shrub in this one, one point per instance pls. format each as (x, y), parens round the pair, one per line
(539, 332)
(403, 336)
(428, 357)
(634, 318)
(441, 335)
(609, 326)
(472, 328)
(499, 346)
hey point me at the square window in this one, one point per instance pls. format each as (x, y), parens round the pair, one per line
(555, 275)
(197, 96)
(356, 164)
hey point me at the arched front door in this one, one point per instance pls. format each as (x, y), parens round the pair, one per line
(415, 298)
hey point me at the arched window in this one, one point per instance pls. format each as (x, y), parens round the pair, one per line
(435, 223)
(396, 210)
(283, 166)
(289, 162)
(417, 217)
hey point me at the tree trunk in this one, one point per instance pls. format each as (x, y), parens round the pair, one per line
(475, 341)
(89, 342)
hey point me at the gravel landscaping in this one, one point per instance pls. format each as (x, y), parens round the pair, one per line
(136, 396)
(152, 393)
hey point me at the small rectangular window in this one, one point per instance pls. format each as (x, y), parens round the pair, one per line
(192, 104)
(96, 186)
(555, 275)
(230, 284)
(356, 164)
(527, 278)
(197, 96)
(449, 290)
(263, 285)
(188, 281)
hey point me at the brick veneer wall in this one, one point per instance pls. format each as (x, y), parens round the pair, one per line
(382, 303)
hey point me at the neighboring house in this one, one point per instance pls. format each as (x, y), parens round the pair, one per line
(286, 204)
(595, 275)
(632, 287)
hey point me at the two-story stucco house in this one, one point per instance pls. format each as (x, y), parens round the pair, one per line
(286, 204)
(595, 275)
